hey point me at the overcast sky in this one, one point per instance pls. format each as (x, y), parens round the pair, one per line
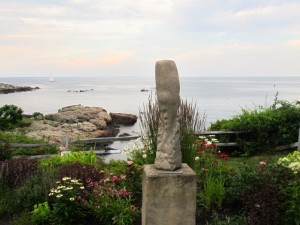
(127, 37)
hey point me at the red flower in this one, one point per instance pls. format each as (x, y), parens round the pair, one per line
(223, 156)
(114, 178)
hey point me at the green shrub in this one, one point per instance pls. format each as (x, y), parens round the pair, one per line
(6, 199)
(34, 191)
(22, 219)
(41, 214)
(228, 220)
(291, 203)
(10, 116)
(268, 127)
(258, 191)
(66, 199)
(111, 202)
(89, 158)
(213, 192)
(38, 116)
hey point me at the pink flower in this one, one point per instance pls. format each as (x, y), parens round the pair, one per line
(132, 208)
(114, 178)
(123, 177)
(262, 163)
(129, 163)
(122, 192)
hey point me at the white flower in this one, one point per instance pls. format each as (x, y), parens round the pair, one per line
(197, 158)
(69, 188)
(81, 187)
(58, 196)
(144, 156)
(50, 194)
(72, 199)
(214, 140)
(66, 178)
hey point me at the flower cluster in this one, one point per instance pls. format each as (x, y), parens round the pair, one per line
(139, 151)
(291, 161)
(223, 155)
(133, 145)
(67, 188)
(207, 143)
(110, 200)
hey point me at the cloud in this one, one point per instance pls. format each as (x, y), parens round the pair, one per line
(293, 43)
(111, 59)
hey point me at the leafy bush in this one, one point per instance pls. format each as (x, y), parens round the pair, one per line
(258, 191)
(291, 161)
(111, 202)
(80, 171)
(34, 191)
(10, 116)
(267, 127)
(66, 199)
(38, 116)
(89, 158)
(15, 172)
(291, 203)
(41, 214)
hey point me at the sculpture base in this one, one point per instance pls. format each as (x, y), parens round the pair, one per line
(169, 197)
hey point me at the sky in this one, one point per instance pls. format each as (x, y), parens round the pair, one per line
(126, 37)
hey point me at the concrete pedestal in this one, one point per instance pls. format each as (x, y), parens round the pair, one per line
(169, 197)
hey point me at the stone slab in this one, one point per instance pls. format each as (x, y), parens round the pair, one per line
(169, 197)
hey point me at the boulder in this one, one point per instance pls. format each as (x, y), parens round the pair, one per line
(123, 118)
(79, 114)
(79, 122)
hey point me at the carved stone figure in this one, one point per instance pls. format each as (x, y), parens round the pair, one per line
(168, 154)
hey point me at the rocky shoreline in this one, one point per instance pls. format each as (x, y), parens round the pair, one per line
(8, 88)
(78, 122)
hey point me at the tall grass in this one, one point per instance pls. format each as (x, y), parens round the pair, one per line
(190, 121)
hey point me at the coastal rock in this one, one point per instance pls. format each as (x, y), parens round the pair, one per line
(8, 88)
(78, 122)
(123, 118)
(79, 114)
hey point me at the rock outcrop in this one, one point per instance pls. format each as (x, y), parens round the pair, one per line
(8, 88)
(123, 118)
(77, 122)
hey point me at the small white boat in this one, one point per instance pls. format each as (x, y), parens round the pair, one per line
(51, 79)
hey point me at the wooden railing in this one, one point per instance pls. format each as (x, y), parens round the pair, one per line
(128, 138)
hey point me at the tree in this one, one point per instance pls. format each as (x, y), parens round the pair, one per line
(10, 115)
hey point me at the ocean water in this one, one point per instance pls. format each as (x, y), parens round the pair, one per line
(216, 97)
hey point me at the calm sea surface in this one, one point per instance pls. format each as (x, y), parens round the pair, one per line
(216, 97)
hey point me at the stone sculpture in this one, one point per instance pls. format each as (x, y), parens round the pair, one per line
(168, 154)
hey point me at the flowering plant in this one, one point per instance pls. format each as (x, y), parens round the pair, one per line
(291, 161)
(110, 201)
(68, 207)
(139, 151)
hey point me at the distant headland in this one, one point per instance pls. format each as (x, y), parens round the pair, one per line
(8, 88)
